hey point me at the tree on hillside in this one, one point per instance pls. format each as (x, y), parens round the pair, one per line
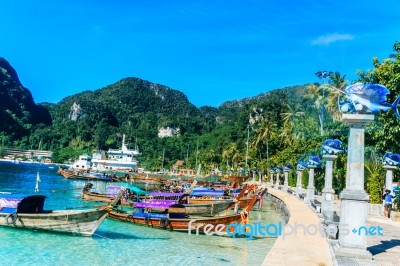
(384, 131)
(265, 130)
(292, 123)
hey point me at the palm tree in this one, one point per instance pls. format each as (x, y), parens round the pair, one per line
(326, 95)
(316, 93)
(338, 82)
(264, 131)
(292, 124)
(230, 155)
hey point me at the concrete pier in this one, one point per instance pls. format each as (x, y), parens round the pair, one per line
(298, 248)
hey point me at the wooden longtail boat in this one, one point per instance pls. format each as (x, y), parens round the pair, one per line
(84, 175)
(131, 194)
(168, 200)
(177, 220)
(28, 213)
(212, 209)
(242, 200)
(174, 224)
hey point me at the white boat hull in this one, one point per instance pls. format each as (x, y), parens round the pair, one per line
(77, 222)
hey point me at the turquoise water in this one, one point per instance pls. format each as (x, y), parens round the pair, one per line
(115, 243)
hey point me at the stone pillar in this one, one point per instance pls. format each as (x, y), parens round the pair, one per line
(354, 199)
(271, 181)
(299, 188)
(260, 176)
(328, 192)
(277, 180)
(310, 187)
(389, 176)
(286, 182)
(254, 176)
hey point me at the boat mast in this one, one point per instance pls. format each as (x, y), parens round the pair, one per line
(162, 164)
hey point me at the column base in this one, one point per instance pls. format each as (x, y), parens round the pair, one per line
(299, 190)
(352, 252)
(357, 195)
(327, 205)
(310, 194)
(328, 215)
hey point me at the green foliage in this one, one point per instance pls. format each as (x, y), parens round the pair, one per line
(3, 152)
(18, 112)
(68, 154)
(374, 176)
(396, 192)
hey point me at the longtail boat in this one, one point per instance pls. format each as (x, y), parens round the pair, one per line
(130, 195)
(244, 197)
(177, 220)
(28, 213)
(85, 175)
(168, 200)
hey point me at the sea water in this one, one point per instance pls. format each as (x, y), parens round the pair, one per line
(115, 242)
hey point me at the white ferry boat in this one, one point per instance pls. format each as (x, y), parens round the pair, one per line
(118, 159)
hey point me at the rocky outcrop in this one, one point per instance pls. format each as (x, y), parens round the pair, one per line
(76, 112)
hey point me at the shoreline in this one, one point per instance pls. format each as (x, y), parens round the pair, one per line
(25, 162)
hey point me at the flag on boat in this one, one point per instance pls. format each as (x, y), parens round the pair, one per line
(37, 182)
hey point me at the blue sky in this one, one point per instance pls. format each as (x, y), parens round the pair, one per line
(212, 51)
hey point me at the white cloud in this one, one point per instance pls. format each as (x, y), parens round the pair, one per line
(331, 38)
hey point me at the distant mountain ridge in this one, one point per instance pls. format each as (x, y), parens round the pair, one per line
(140, 109)
(18, 111)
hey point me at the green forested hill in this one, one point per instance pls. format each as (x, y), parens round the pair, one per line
(277, 127)
(94, 120)
(268, 130)
(18, 112)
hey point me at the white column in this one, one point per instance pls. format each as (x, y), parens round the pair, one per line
(271, 181)
(389, 176)
(354, 199)
(286, 182)
(299, 188)
(277, 180)
(328, 192)
(310, 187)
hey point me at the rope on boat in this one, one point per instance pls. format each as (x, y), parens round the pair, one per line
(164, 222)
(14, 218)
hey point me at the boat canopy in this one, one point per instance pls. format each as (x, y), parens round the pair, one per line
(137, 190)
(166, 194)
(206, 192)
(22, 204)
(160, 200)
(155, 204)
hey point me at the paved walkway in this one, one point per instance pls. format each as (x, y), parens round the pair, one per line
(314, 249)
(385, 249)
(299, 249)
